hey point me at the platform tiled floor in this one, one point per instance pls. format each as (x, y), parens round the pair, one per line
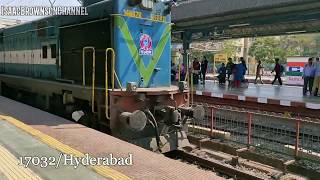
(146, 164)
(284, 92)
(20, 144)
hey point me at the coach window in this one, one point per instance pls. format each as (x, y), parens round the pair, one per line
(44, 52)
(53, 50)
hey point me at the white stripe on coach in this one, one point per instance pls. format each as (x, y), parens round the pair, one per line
(199, 93)
(285, 103)
(312, 106)
(216, 95)
(241, 98)
(262, 100)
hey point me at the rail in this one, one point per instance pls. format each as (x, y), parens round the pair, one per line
(93, 73)
(293, 137)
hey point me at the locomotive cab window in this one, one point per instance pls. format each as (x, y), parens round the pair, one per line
(53, 48)
(44, 52)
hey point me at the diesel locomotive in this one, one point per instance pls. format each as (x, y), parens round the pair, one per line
(109, 70)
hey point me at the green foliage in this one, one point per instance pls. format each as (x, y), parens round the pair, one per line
(230, 48)
(268, 48)
(199, 55)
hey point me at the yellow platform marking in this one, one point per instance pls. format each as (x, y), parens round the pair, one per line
(9, 166)
(102, 170)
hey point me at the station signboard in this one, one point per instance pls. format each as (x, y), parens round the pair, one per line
(294, 71)
(220, 58)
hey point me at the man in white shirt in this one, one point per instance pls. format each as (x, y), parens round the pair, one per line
(316, 83)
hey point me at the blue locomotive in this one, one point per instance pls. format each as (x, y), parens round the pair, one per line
(109, 70)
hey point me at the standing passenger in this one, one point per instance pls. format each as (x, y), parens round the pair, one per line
(182, 72)
(204, 67)
(196, 70)
(316, 78)
(238, 75)
(259, 72)
(277, 69)
(244, 64)
(173, 71)
(230, 66)
(308, 76)
(222, 74)
(244, 70)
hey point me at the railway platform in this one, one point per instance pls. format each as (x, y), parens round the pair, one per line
(29, 132)
(262, 94)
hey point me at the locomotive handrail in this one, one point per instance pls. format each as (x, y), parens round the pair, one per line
(189, 81)
(114, 75)
(93, 73)
(106, 85)
(179, 71)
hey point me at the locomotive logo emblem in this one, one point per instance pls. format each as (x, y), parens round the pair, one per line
(146, 45)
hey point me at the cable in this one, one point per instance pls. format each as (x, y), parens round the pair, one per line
(10, 2)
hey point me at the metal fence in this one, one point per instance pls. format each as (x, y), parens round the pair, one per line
(291, 136)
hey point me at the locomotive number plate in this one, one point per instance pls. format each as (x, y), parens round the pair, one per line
(134, 14)
(158, 18)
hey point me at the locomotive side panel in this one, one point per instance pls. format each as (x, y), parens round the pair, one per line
(73, 40)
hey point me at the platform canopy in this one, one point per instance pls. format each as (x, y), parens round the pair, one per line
(223, 19)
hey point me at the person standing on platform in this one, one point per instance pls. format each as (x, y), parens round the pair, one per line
(239, 74)
(244, 64)
(222, 74)
(259, 72)
(196, 70)
(316, 78)
(244, 70)
(204, 68)
(182, 72)
(308, 76)
(173, 71)
(230, 66)
(278, 71)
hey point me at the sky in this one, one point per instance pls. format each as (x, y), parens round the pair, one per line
(34, 3)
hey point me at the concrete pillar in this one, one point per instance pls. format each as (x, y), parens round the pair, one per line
(186, 38)
(246, 52)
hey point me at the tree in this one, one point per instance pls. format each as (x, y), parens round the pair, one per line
(230, 48)
(267, 49)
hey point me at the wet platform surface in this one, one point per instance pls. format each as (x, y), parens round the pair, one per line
(277, 92)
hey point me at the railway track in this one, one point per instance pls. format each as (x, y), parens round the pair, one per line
(279, 128)
(229, 166)
(277, 133)
(265, 134)
(254, 106)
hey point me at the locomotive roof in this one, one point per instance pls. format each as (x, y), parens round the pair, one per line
(96, 11)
